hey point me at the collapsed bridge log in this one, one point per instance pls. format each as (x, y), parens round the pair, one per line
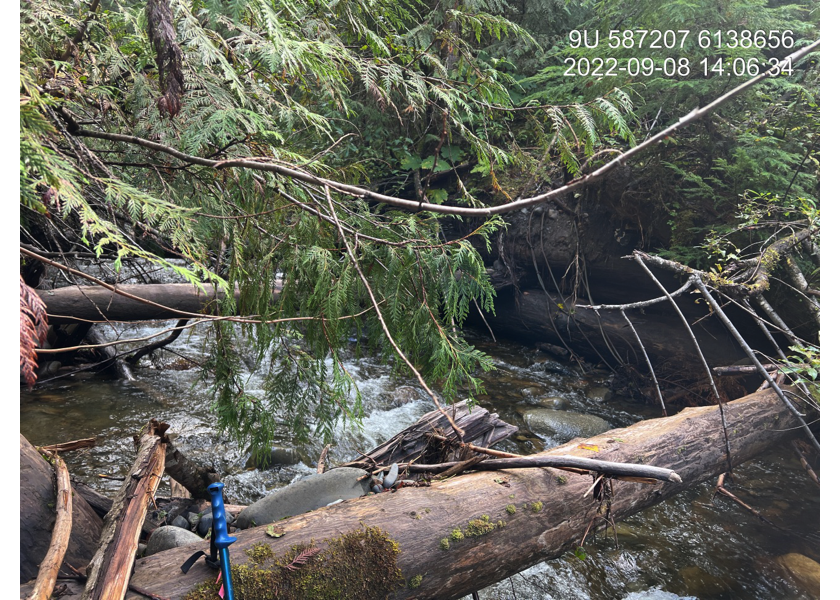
(133, 302)
(545, 511)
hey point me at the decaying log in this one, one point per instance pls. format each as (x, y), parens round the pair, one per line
(742, 369)
(548, 516)
(109, 571)
(412, 443)
(99, 503)
(194, 478)
(142, 302)
(48, 571)
(603, 335)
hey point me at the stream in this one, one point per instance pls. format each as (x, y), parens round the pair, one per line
(690, 546)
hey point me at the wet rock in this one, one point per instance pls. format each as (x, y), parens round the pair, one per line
(564, 425)
(403, 395)
(805, 571)
(280, 455)
(599, 394)
(167, 537)
(701, 583)
(181, 522)
(205, 524)
(555, 402)
(305, 495)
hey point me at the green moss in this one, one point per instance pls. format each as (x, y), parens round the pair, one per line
(414, 582)
(444, 544)
(259, 553)
(511, 509)
(479, 527)
(562, 480)
(536, 506)
(361, 564)
(457, 535)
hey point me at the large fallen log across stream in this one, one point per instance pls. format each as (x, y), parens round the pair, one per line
(132, 302)
(553, 509)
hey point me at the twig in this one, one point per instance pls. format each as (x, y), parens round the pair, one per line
(647, 360)
(722, 316)
(638, 258)
(804, 462)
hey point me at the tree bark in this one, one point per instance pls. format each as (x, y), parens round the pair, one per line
(194, 478)
(418, 518)
(109, 571)
(157, 302)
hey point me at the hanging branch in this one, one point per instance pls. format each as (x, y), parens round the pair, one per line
(458, 431)
(415, 205)
(772, 382)
(638, 258)
(647, 360)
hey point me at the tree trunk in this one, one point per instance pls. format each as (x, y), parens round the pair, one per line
(551, 512)
(109, 571)
(151, 302)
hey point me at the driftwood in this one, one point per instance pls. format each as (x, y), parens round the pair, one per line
(48, 571)
(135, 302)
(38, 503)
(550, 513)
(109, 571)
(67, 446)
(412, 443)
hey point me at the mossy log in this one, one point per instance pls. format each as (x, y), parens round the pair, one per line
(473, 530)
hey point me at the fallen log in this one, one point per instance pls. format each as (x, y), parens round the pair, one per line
(531, 514)
(110, 568)
(48, 571)
(133, 302)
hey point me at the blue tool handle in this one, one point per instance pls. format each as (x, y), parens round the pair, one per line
(220, 531)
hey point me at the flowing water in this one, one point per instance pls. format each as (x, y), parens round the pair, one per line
(690, 546)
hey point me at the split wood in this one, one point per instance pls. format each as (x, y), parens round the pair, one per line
(48, 571)
(110, 567)
(322, 460)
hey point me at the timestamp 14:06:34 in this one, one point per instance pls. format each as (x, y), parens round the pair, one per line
(674, 67)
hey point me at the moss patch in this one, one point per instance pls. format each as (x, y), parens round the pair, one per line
(457, 535)
(414, 582)
(444, 544)
(536, 506)
(510, 509)
(479, 527)
(361, 564)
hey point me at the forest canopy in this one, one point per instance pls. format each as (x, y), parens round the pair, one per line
(224, 141)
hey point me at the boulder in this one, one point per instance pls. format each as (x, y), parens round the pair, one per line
(307, 494)
(37, 517)
(563, 425)
(169, 536)
(805, 571)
